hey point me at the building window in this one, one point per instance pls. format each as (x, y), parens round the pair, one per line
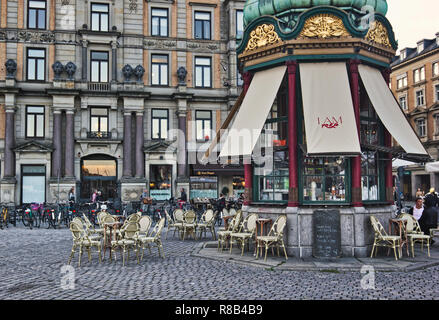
(203, 74)
(420, 101)
(403, 102)
(99, 66)
(202, 25)
(203, 187)
(421, 127)
(159, 70)
(419, 74)
(239, 23)
(34, 122)
(159, 22)
(36, 14)
(33, 184)
(420, 47)
(401, 82)
(436, 69)
(99, 121)
(36, 64)
(436, 124)
(370, 184)
(436, 91)
(100, 16)
(203, 120)
(160, 124)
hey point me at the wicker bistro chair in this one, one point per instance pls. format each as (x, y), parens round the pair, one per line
(82, 240)
(224, 235)
(145, 224)
(170, 223)
(190, 224)
(153, 238)
(245, 233)
(382, 239)
(207, 222)
(91, 231)
(414, 234)
(274, 238)
(178, 221)
(128, 241)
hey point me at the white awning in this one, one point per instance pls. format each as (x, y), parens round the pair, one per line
(432, 167)
(250, 120)
(330, 125)
(401, 163)
(389, 112)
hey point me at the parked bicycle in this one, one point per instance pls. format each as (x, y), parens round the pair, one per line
(4, 218)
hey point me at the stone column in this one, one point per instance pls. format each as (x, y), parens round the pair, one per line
(114, 61)
(57, 144)
(248, 168)
(293, 198)
(84, 60)
(140, 157)
(182, 151)
(357, 199)
(70, 145)
(127, 168)
(10, 143)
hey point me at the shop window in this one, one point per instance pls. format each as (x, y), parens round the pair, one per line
(34, 122)
(160, 182)
(238, 186)
(369, 176)
(33, 184)
(98, 172)
(203, 187)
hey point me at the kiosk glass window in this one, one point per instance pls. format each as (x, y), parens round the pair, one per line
(160, 182)
(33, 185)
(204, 187)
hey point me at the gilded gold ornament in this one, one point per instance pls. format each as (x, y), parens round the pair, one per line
(323, 26)
(262, 36)
(378, 34)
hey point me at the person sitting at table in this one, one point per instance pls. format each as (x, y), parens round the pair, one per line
(418, 209)
(429, 217)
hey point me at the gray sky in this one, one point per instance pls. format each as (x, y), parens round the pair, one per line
(413, 20)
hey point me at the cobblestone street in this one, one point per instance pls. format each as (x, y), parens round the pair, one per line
(31, 262)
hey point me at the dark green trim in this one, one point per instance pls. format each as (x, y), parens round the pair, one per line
(343, 15)
(315, 58)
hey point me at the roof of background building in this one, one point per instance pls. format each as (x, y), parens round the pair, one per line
(412, 53)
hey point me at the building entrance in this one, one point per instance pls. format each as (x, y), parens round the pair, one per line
(99, 172)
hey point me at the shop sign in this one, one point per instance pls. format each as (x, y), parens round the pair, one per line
(160, 195)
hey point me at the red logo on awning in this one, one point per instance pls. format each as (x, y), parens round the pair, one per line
(330, 122)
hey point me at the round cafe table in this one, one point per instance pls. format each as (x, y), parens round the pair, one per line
(112, 227)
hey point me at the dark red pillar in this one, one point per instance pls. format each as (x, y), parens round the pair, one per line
(357, 200)
(248, 170)
(293, 197)
(388, 142)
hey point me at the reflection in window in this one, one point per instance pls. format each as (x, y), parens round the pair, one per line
(369, 176)
(100, 168)
(273, 176)
(202, 25)
(99, 119)
(99, 17)
(36, 64)
(159, 70)
(159, 22)
(324, 179)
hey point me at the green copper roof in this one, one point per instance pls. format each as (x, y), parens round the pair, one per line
(255, 8)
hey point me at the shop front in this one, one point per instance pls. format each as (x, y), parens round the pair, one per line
(160, 182)
(316, 124)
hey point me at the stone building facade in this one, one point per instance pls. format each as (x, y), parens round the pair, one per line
(114, 95)
(415, 84)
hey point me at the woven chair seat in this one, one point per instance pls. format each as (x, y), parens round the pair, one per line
(390, 238)
(90, 243)
(241, 235)
(418, 236)
(224, 233)
(124, 242)
(267, 238)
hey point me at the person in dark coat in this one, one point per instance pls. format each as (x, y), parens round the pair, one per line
(429, 216)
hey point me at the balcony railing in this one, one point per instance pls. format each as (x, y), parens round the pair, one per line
(99, 135)
(99, 86)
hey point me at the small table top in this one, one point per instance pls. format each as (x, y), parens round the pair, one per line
(263, 220)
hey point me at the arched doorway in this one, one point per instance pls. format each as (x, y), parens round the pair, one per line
(99, 172)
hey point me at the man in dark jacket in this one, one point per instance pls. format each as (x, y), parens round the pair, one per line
(429, 217)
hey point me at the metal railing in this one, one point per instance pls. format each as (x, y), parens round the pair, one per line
(98, 86)
(104, 135)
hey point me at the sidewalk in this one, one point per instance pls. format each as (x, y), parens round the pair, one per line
(382, 262)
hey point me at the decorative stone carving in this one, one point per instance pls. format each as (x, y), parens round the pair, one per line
(133, 5)
(324, 26)
(378, 34)
(139, 71)
(40, 37)
(127, 71)
(58, 69)
(70, 69)
(181, 74)
(262, 36)
(11, 69)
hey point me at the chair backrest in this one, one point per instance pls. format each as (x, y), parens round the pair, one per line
(134, 217)
(108, 219)
(277, 229)
(86, 222)
(168, 217)
(145, 224)
(237, 221)
(78, 221)
(190, 216)
(156, 232)
(232, 212)
(77, 231)
(131, 230)
(251, 223)
(225, 212)
(409, 225)
(178, 215)
(377, 227)
(208, 216)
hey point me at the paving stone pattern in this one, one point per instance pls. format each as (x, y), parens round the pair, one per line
(31, 262)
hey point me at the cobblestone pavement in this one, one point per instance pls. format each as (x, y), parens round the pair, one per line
(31, 262)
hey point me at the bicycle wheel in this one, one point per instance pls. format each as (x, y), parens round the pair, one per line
(25, 220)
